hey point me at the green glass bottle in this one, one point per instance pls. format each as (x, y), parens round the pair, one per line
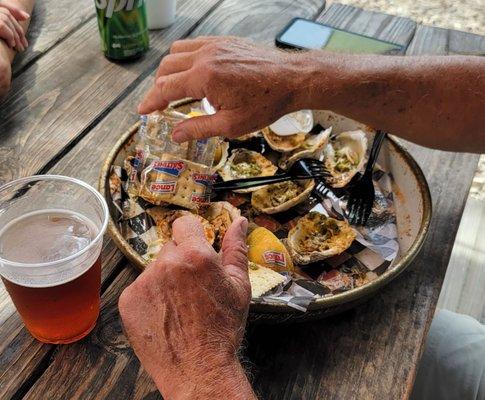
(123, 28)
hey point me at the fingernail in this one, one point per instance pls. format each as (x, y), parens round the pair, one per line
(26, 15)
(140, 108)
(180, 136)
(244, 226)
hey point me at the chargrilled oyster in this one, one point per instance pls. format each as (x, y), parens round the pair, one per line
(316, 237)
(220, 214)
(312, 147)
(345, 156)
(164, 218)
(283, 144)
(245, 163)
(281, 196)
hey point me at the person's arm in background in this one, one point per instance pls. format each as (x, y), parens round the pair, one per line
(185, 314)
(14, 21)
(434, 101)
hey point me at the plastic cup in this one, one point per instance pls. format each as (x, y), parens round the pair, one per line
(55, 226)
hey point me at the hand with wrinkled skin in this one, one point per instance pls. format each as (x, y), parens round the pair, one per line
(248, 84)
(435, 101)
(185, 315)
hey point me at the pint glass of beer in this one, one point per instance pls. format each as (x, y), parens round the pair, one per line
(51, 233)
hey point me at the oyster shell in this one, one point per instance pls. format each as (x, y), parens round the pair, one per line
(245, 163)
(295, 122)
(220, 214)
(345, 156)
(312, 147)
(316, 237)
(281, 196)
(283, 143)
(221, 154)
(248, 136)
(164, 218)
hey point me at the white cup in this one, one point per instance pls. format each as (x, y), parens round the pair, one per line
(160, 13)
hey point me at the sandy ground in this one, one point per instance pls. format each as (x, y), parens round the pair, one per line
(466, 15)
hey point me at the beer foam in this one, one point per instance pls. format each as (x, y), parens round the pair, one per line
(47, 236)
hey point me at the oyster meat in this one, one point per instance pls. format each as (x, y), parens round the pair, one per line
(312, 147)
(281, 196)
(316, 237)
(283, 143)
(245, 163)
(220, 214)
(345, 156)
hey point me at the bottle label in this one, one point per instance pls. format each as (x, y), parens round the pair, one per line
(117, 5)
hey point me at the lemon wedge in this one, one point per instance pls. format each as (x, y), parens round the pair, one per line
(265, 249)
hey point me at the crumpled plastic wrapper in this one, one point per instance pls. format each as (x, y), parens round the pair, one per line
(371, 254)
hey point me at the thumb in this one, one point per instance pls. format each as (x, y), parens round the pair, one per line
(188, 229)
(234, 249)
(218, 124)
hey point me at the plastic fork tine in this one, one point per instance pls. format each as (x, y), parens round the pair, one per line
(362, 194)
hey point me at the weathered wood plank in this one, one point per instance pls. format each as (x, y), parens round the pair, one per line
(376, 342)
(429, 41)
(256, 19)
(85, 159)
(462, 290)
(90, 84)
(52, 21)
(101, 366)
(466, 43)
(381, 26)
(67, 90)
(375, 348)
(20, 353)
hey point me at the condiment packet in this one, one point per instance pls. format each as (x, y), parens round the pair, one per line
(179, 174)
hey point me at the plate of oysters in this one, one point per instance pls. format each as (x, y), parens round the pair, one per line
(306, 260)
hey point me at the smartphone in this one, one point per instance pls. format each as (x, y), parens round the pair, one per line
(303, 34)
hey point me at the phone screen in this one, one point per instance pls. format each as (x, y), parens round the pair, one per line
(311, 35)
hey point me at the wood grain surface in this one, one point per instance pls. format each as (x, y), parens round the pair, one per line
(370, 352)
(84, 161)
(51, 105)
(59, 98)
(52, 21)
(381, 26)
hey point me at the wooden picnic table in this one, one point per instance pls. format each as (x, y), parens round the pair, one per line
(66, 109)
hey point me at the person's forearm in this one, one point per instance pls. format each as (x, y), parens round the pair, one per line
(434, 101)
(209, 380)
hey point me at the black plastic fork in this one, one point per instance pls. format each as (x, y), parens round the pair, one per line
(362, 194)
(306, 168)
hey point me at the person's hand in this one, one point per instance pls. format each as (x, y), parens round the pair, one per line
(5, 73)
(10, 30)
(250, 85)
(185, 315)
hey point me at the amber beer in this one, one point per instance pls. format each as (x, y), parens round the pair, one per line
(59, 314)
(50, 259)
